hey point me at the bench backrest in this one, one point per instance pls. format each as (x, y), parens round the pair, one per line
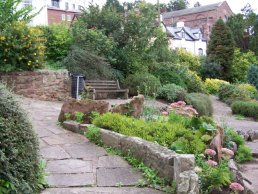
(103, 84)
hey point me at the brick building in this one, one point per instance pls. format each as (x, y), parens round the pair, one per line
(54, 11)
(203, 17)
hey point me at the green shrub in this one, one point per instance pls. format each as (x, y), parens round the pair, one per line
(19, 159)
(211, 70)
(243, 154)
(212, 85)
(201, 102)
(172, 92)
(252, 75)
(93, 134)
(213, 178)
(189, 60)
(248, 109)
(178, 74)
(143, 83)
(21, 47)
(248, 88)
(229, 93)
(161, 132)
(58, 41)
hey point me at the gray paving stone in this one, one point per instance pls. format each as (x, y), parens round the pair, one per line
(117, 176)
(64, 139)
(254, 147)
(70, 180)
(102, 190)
(43, 132)
(68, 166)
(112, 162)
(87, 151)
(54, 152)
(42, 143)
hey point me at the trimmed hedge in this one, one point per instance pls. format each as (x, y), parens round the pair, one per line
(248, 109)
(172, 92)
(19, 159)
(201, 102)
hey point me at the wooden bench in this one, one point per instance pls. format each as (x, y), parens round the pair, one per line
(104, 87)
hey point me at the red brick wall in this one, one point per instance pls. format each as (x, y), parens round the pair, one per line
(203, 20)
(55, 16)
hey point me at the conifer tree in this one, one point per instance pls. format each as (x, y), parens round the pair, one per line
(221, 47)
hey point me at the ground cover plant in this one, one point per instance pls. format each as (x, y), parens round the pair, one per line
(21, 171)
(248, 109)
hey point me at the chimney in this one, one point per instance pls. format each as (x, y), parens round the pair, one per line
(180, 24)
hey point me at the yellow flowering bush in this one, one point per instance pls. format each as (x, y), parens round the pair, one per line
(21, 47)
(212, 85)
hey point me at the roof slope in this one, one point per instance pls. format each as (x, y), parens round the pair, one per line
(191, 10)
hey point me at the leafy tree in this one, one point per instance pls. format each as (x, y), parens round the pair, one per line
(174, 5)
(241, 63)
(9, 12)
(114, 5)
(221, 47)
(243, 29)
(254, 37)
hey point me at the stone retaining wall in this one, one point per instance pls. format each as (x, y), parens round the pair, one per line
(173, 166)
(41, 85)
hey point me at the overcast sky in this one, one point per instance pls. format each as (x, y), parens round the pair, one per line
(235, 5)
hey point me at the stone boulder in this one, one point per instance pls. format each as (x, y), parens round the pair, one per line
(132, 108)
(85, 106)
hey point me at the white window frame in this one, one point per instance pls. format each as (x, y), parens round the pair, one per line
(27, 3)
(69, 18)
(63, 17)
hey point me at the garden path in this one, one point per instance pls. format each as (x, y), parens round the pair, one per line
(222, 114)
(75, 165)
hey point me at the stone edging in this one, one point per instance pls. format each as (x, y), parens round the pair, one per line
(169, 164)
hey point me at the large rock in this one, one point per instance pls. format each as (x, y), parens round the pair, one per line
(188, 183)
(84, 106)
(132, 108)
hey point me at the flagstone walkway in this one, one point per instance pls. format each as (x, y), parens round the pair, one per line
(75, 165)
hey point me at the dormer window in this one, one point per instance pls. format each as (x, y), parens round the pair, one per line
(55, 3)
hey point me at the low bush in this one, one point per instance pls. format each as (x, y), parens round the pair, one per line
(249, 88)
(211, 70)
(21, 47)
(172, 92)
(243, 153)
(212, 85)
(193, 82)
(143, 83)
(19, 159)
(248, 109)
(229, 93)
(201, 102)
(164, 133)
(252, 75)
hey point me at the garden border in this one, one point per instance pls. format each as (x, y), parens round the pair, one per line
(175, 167)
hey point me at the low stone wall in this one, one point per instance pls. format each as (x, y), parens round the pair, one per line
(42, 85)
(169, 164)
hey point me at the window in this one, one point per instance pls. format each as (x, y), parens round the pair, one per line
(73, 6)
(200, 51)
(55, 3)
(66, 5)
(225, 18)
(80, 7)
(63, 17)
(69, 18)
(27, 3)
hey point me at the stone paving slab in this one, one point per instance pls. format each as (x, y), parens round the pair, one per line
(112, 162)
(42, 143)
(68, 166)
(102, 190)
(54, 152)
(71, 180)
(64, 139)
(254, 147)
(43, 132)
(107, 177)
(88, 150)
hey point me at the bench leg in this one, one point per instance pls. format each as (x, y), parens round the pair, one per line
(126, 94)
